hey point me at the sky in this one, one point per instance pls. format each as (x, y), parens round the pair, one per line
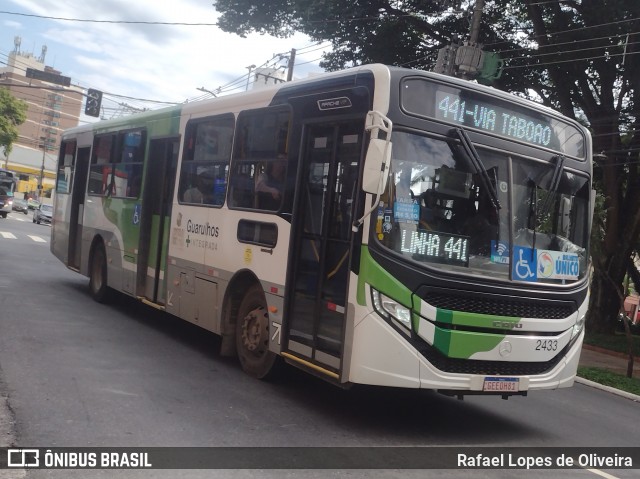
(165, 63)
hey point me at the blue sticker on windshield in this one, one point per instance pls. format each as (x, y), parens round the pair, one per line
(499, 252)
(406, 211)
(524, 264)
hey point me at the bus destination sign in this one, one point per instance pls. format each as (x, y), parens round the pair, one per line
(435, 246)
(483, 116)
(475, 110)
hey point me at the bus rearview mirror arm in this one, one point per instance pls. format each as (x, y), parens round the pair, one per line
(377, 161)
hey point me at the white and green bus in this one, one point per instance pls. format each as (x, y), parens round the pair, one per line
(376, 225)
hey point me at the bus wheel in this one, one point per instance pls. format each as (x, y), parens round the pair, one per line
(252, 335)
(98, 275)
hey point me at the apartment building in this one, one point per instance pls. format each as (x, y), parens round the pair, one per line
(53, 106)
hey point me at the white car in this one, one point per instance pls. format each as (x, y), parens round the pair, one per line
(43, 214)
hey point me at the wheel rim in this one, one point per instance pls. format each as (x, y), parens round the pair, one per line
(255, 332)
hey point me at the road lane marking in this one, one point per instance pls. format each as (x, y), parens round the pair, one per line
(37, 239)
(8, 235)
(600, 473)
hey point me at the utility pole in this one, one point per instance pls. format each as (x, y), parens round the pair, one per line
(290, 63)
(475, 22)
(41, 179)
(470, 57)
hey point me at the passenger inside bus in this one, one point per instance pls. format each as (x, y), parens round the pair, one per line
(201, 190)
(270, 183)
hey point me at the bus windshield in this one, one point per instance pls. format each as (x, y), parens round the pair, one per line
(444, 209)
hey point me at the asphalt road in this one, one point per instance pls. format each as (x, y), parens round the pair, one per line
(77, 373)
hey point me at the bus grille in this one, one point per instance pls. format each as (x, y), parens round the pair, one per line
(488, 368)
(500, 305)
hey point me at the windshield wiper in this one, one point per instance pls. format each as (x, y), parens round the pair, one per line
(553, 185)
(541, 212)
(479, 167)
(533, 214)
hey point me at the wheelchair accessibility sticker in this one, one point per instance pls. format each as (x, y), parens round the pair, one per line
(531, 265)
(524, 264)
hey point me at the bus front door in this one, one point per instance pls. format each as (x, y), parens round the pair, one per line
(322, 245)
(157, 197)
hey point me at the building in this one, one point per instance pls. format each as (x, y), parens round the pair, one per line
(54, 105)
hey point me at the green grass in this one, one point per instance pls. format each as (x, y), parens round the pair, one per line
(613, 342)
(608, 378)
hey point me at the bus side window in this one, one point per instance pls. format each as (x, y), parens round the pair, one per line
(127, 170)
(243, 185)
(205, 161)
(259, 167)
(101, 167)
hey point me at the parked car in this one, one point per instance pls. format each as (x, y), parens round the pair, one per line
(43, 214)
(20, 205)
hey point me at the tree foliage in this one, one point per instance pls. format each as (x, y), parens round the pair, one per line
(13, 113)
(579, 57)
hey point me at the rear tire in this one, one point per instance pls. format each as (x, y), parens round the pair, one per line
(98, 275)
(252, 335)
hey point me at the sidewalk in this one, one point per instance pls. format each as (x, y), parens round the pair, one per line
(593, 356)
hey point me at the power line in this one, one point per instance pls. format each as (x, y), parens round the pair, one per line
(129, 22)
(589, 27)
(571, 51)
(571, 60)
(572, 42)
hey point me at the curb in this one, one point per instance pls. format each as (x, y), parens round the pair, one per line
(617, 392)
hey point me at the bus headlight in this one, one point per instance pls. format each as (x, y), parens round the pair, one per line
(577, 328)
(389, 308)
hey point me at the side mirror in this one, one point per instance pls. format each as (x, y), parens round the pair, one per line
(378, 160)
(376, 166)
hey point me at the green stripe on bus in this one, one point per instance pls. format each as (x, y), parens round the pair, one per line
(376, 276)
(463, 344)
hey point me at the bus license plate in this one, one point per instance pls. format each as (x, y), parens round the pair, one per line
(500, 384)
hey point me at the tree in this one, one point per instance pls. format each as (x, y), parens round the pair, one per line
(579, 57)
(13, 113)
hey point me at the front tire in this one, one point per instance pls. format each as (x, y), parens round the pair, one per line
(252, 335)
(98, 275)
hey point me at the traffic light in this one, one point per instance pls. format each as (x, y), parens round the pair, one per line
(92, 106)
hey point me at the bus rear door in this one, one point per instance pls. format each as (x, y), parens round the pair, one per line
(155, 212)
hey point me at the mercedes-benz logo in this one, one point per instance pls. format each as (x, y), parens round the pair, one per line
(505, 348)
